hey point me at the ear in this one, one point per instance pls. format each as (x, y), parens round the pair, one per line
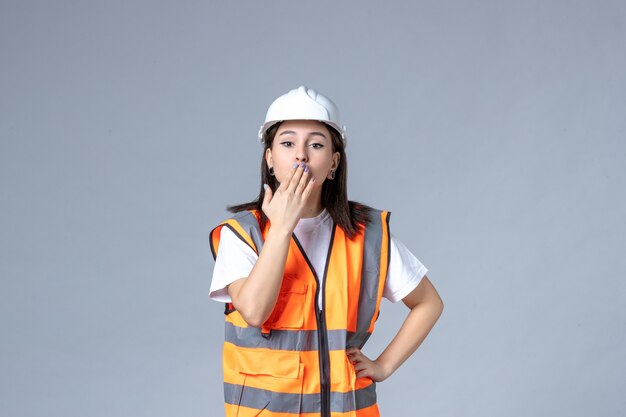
(268, 157)
(336, 158)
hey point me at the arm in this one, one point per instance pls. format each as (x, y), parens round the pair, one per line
(425, 308)
(255, 295)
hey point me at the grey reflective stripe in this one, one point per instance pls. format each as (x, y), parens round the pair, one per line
(249, 223)
(365, 397)
(301, 340)
(344, 402)
(370, 273)
(279, 402)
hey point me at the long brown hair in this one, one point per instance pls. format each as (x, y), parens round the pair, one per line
(349, 215)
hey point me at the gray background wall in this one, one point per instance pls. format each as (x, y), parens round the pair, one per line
(494, 132)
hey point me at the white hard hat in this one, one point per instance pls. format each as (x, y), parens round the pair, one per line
(303, 104)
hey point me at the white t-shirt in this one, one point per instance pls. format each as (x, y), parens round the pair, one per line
(235, 260)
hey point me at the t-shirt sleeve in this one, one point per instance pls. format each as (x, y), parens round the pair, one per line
(234, 260)
(404, 274)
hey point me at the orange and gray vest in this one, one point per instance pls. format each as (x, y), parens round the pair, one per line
(296, 364)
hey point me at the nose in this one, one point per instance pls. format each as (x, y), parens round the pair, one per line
(301, 154)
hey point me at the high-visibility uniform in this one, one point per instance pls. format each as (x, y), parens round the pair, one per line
(296, 363)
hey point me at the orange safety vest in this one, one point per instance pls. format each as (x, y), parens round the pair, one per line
(296, 364)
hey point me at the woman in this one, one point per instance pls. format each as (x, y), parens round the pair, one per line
(302, 271)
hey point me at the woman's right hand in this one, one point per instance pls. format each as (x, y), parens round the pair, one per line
(285, 206)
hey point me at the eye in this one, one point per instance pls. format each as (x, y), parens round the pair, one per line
(317, 145)
(287, 143)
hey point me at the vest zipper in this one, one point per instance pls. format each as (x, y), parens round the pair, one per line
(324, 363)
(322, 332)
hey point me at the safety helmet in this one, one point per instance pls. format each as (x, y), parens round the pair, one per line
(303, 104)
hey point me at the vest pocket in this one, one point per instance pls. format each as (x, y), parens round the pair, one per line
(275, 363)
(272, 381)
(289, 310)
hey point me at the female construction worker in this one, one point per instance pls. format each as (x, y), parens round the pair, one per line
(302, 271)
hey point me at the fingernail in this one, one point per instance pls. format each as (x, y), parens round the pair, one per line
(295, 165)
(313, 179)
(265, 187)
(306, 168)
(302, 164)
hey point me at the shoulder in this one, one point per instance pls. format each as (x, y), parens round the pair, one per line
(375, 217)
(363, 214)
(244, 225)
(246, 214)
(244, 218)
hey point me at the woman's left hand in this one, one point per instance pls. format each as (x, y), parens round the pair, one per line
(365, 367)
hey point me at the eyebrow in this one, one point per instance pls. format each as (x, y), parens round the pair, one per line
(291, 132)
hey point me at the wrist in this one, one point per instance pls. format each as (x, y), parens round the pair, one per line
(279, 232)
(386, 368)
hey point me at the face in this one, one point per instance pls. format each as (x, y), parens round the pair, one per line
(305, 141)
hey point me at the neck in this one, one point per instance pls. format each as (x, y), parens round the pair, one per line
(312, 212)
(314, 205)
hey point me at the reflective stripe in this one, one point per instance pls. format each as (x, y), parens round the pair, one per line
(302, 340)
(250, 224)
(278, 402)
(370, 274)
(365, 397)
(243, 222)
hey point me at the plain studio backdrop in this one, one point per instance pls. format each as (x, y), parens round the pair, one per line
(493, 131)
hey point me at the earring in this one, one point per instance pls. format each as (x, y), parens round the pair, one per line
(271, 171)
(332, 174)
